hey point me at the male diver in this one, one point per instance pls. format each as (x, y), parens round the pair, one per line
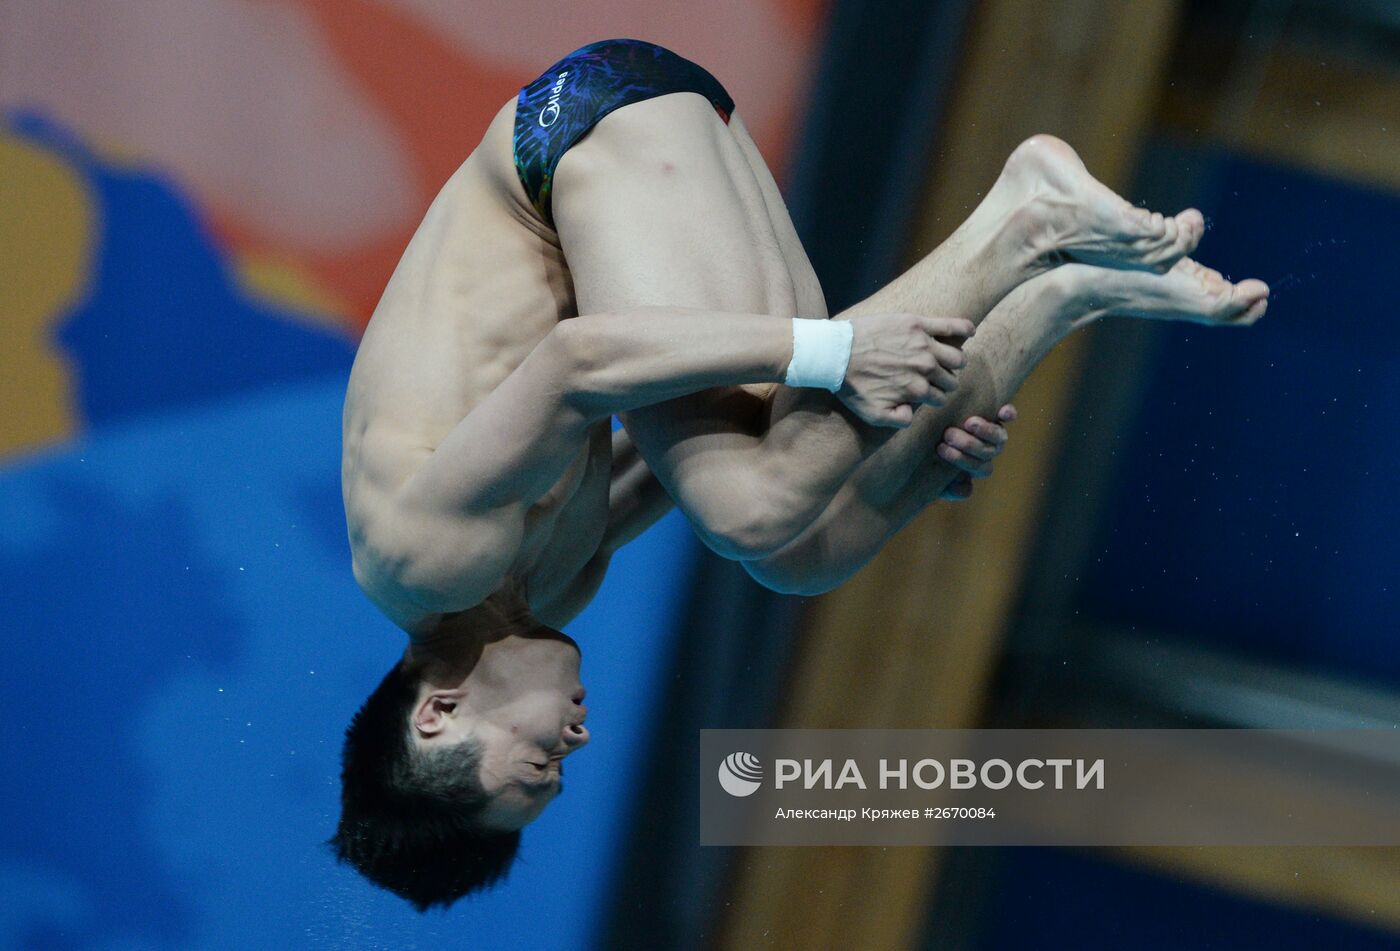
(616, 246)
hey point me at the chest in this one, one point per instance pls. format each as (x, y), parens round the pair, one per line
(565, 526)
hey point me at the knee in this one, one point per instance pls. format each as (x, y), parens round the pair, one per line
(750, 520)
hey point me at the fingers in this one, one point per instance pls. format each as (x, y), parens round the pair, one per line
(972, 446)
(932, 387)
(977, 438)
(991, 434)
(937, 358)
(942, 381)
(896, 416)
(976, 468)
(899, 416)
(947, 355)
(940, 368)
(957, 327)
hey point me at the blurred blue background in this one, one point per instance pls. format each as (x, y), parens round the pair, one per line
(187, 643)
(199, 206)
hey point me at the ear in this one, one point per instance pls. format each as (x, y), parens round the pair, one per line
(436, 709)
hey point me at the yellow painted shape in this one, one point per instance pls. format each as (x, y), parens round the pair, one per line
(286, 287)
(46, 228)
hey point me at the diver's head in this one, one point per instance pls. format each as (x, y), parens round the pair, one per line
(460, 747)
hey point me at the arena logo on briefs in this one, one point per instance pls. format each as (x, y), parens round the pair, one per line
(550, 113)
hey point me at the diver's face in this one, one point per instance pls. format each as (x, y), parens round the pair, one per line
(523, 703)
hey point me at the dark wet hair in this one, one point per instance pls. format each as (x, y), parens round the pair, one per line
(409, 820)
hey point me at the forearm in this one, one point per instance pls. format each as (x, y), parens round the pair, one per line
(648, 355)
(516, 442)
(713, 467)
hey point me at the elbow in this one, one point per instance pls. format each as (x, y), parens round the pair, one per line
(438, 588)
(577, 350)
(434, 579)
(398, 576)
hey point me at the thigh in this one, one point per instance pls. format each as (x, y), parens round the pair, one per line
(658, 204)
(663, 203)
(807, 289)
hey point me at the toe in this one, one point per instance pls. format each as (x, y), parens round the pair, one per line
(1193, 226)
(1247, 301)
(1175, 236)
(1140, 223)
(1192, 269)
(1253, 289)
(1250, 315)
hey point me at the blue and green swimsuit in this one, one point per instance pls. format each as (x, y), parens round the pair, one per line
(567, 100)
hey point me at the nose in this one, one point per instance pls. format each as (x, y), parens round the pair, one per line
(575, 735)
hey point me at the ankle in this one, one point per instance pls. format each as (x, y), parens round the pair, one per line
(1025, 241)
(1079, 295)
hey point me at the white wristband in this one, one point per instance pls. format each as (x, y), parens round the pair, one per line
(821, 351)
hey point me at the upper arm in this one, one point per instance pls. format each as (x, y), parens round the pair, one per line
(445, 536)
(513, 445)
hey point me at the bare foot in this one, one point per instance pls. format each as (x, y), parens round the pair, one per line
(1065, 214)
(1189, 291)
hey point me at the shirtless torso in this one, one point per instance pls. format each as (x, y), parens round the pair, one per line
(478, 457)
(482, 282)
